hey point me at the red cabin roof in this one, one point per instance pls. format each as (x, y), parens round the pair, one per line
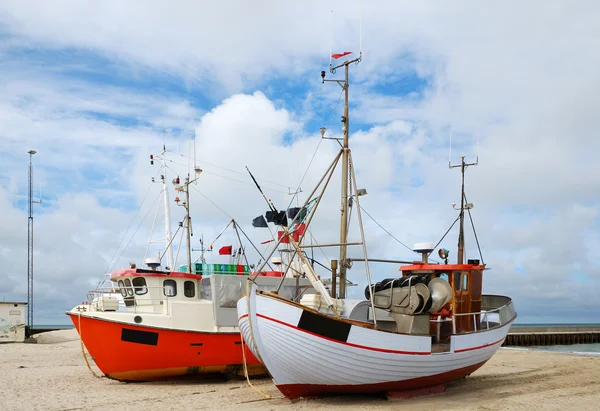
(418, 266)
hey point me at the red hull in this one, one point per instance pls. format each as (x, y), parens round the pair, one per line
(128, 352)
(394, 387)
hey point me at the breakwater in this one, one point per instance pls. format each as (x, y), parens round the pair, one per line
(552, 335)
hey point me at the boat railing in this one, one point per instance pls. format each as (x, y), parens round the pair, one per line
(496, 311)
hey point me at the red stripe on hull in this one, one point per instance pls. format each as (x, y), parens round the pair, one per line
(176, 353)
(480, 346)
(319, 390)
(364, 347)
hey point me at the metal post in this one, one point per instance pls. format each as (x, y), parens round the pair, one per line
(30, 249)
(334, 266)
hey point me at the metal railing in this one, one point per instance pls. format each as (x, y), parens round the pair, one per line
(491, 304)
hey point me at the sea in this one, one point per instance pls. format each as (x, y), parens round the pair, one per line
(578, 349)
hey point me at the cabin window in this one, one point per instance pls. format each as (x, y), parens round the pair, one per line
(189, 289)
(465, 282)
(139, 285)
(170, 288)
(122, 288)
(457, 281)
(128, 287)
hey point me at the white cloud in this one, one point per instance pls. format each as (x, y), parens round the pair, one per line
(520, 74)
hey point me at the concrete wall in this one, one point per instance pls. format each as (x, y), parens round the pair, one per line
(12, 321)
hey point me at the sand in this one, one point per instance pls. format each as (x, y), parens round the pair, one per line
(53, 376)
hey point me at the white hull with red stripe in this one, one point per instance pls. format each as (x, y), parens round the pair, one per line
(309, 354)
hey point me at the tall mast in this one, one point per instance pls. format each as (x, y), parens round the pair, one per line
(461, 233)
(188, 225)
(30, 248)
(168, 234)
(345, 174)
(344, 205)
(187, 222)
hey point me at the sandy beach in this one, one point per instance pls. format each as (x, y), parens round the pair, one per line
(52, 375)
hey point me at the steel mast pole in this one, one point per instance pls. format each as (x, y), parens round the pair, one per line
(168, 234)
(188, 225)
(30, 248)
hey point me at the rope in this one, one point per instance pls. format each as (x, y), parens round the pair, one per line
(248, 291)
(83, 349)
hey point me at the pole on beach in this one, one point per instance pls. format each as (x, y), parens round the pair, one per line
(30, 248)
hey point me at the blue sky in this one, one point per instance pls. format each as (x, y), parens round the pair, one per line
(96, 88)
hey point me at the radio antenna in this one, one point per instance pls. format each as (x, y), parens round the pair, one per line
(361, 21)
(330, 38)
(450, 152)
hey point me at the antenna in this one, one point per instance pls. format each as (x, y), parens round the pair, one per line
(361, 20)
(477, 157)
(30, 247)
(330, 38)
(461, 236)
(450, 152)
(194, 138)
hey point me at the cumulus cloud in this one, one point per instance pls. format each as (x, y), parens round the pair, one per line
(519, 75)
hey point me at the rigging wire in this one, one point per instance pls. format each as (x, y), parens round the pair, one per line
(380, 226)
(328, 121)
(474, 232)
(230, 170)
(126, 231)
(136, 230)
(234, 179)
(444, 236)
(212, 202)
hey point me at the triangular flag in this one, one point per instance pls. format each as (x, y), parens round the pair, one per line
(259, 222)
(338, 55)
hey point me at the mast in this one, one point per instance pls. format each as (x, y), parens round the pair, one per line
(30, 247)
(187, 222)
(188, 225)
(168, 234)
(461, 233)
(345, 171)
(344, 205)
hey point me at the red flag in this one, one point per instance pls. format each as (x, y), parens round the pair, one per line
(298, 232)
(226, 250)
(338, 55)
(285, 240)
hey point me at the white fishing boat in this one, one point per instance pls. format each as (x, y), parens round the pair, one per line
(412, 334)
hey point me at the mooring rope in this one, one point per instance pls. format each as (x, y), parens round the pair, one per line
(83, 348)
(248, 291)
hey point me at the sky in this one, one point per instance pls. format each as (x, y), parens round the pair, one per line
(96, 87)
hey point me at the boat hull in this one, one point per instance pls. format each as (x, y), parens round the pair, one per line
(312, 355)
(129, 352)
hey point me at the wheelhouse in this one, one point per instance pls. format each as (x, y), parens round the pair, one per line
(466, 283)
